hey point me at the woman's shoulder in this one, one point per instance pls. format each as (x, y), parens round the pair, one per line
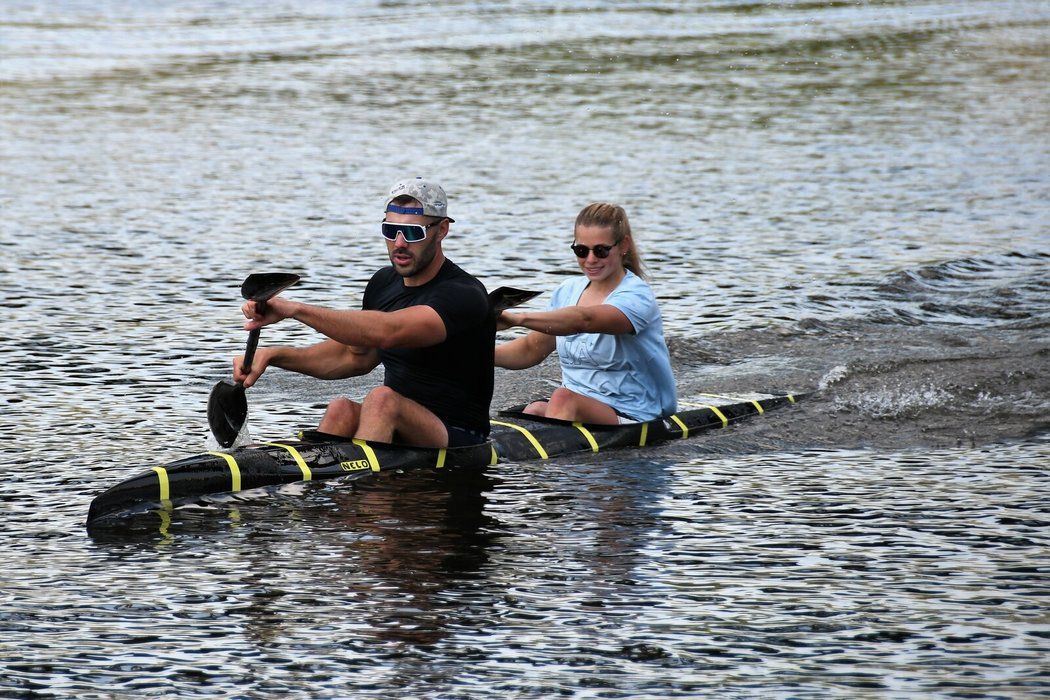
(635, 298)
(569, 291)
(633, 281)
(633, 285)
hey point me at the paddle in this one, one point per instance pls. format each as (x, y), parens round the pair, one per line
(227, 405)
(503, 298)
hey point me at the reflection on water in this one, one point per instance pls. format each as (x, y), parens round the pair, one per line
(849, 197)
(771, 568)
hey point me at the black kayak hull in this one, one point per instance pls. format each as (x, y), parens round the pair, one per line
(515, 437)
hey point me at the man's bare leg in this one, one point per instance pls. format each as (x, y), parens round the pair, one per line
(341, 418)
(387, 416)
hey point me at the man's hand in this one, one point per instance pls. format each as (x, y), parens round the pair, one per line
(277, 309)
(259, 364)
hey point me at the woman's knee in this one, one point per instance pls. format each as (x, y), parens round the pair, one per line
(562, 397)
(536, 408)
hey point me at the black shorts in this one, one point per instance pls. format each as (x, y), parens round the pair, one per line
(463, 437)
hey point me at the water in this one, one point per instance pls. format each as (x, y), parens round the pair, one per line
(844, 198)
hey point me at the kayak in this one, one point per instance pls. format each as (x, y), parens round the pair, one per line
(514, 437)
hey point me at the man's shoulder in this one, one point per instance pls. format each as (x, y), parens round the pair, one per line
(384, 276)
(450, 271)
(457, 280)
(381, 281)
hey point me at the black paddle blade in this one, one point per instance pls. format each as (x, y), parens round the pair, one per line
(227, 411)
(263, 285)
(504, 298)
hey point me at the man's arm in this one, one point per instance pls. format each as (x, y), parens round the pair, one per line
(328, 359)
(411, 327)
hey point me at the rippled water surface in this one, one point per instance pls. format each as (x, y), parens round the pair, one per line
(849, 199)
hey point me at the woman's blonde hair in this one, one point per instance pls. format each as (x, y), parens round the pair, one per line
(612, 216)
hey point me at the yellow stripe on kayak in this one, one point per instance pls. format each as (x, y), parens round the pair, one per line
(721, 416)
(685, 429)
(165, 487)
(531, 438)
(644, 437)
(307, 474)
(753, 402)
(235, 470)
(586, 434)
(441, 457)
(713, 409)
(370, 454)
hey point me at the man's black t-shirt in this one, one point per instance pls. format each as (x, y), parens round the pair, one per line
(453, 378)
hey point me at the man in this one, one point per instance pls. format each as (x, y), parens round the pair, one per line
(423, 318)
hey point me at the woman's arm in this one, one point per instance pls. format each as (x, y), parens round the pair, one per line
(525, 352)
(568, 320)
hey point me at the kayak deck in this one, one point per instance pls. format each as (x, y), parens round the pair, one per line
(515, 437)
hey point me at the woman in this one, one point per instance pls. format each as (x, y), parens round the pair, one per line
(607, 328)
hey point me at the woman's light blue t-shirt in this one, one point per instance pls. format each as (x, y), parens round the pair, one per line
(630, 372)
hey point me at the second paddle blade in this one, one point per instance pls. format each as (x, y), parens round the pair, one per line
(504, 298)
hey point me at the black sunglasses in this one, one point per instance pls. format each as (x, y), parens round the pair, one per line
(413, 233)
(600, 251)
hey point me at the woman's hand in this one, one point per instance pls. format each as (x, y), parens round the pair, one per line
(507, 320)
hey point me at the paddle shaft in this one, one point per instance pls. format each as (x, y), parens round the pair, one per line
(253, 341)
